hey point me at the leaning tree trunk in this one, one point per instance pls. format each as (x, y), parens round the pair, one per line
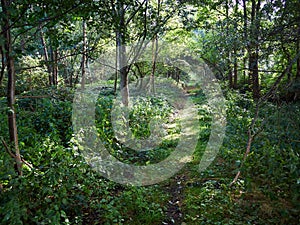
(12, 123)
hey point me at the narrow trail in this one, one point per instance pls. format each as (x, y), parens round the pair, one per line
(175, 188)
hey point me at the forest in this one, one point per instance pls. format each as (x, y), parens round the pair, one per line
(150, 112)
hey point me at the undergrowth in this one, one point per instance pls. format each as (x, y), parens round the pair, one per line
(61, 188)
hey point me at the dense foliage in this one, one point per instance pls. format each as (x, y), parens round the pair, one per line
(49, 51)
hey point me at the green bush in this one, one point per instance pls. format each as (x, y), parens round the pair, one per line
(143, 111)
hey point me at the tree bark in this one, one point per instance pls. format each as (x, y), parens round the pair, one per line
(298, 60)
(12, 123)
(253, 48)
(116, 66)
(2, 65)
(54, 58)
(154, 59)
(253, 66)
(235, 61)
(121, 50)
(228, 55)
(229, 75)
(46, 57)
(235, 70)
(83, 60)
(245, 20)
(155, 50)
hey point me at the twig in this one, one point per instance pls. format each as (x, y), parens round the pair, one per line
(13, 155)
(251, 137)
(248, 148)
(7, 148)
(33, 96)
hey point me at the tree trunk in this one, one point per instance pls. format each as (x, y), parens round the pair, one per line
(83, 61)
(235, 72)
(123, 75)
(253, 65)
(116, 66)
(54, 57)
(228, 56)
(154, 59)
(229, 73)
(121, 50)
(245, 20)
(46, 57)
(235, 62)
(2, 65)
(298, 60)
(253, 48)
(154, 51)
(12, 123)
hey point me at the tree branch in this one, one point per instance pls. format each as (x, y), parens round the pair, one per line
(13, 155)
(7, 148)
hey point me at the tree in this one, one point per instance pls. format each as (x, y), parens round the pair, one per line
(83, 61)
(253, 47)
(11, 99)
(121, 32)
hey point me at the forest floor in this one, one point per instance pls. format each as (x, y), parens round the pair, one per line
(62, 188)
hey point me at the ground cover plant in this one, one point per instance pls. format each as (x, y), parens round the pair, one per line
(135, 64)
(60, 188)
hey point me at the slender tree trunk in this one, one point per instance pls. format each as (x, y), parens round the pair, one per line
(228, 56)
(121, 50)
(46, 57)
(123, 75)
(154, 59)
(154, 51)
(244, 71)
(235, 70)
(83, 61)
(298, 60)
(116, 65)
(3, 65)
(12, 123)
(235, 63)
(253, 48)
(253, 65)
(229, 74)
(298, 70)
(54, 57)
(71, 78)
(22, 42)
(245, 20)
